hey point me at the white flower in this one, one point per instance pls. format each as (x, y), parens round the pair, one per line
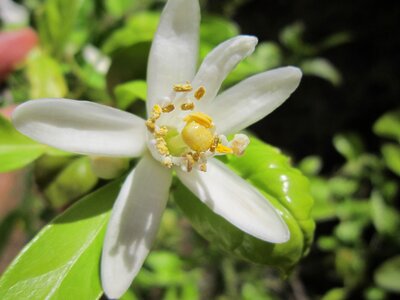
(187, 126)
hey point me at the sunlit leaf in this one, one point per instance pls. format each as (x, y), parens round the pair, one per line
(349, 145)
(139, 28)
(285, 187)
(391, 155)
(73, 182)
(388, 125)
(16, 150)
(127, 93)
(62, 261)
(385, 218)
(265, 57)
(45, 77)
(310, 165)
(322, 68)
(387, 275)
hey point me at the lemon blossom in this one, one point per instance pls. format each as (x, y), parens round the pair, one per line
(187, 126)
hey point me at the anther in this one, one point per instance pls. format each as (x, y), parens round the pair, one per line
(187, 87)
(203, 167)
(187, 106)
(150, 125)
(200, 92)
(214, 144)
(156, 113)
(168, 108)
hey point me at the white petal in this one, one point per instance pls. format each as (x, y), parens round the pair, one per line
(253, 99)
(220, 62)
(231, 197)
(81, 127)
(133, 225)
(173, 55)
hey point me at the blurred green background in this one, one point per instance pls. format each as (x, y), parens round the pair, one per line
(341, 128)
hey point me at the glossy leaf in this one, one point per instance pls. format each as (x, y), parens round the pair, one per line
(139, 28)
(45, 77)
(391, 155)
(16, 150)
(73, 182)
(387, 275)
(287, 189)
(322, 68)
(386, 219)
(388, 125)
(127, 93)
(62, 261)
(349, 145)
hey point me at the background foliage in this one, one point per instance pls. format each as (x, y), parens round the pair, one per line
(341, 128)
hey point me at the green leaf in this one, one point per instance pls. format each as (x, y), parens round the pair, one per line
(349, 145)
(310, 165)
(324, 208)
(16, 150)
(119, 8)
(386, 219)
(62, 261)
(285, 187)
(387, 275)
(322, 68)
(120, 72)
(215, 30)
(388, 125)
(45, 77)
(266, 56)
(127, 93)
(335, 294)
(56, 21)
(73, 182)
(139, 28)
(391, 155)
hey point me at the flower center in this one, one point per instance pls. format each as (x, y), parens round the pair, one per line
(180, 135)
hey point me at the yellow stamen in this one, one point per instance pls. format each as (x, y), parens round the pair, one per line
(203, 167)
(156, 113)
(190, 162)
(200, 92)
(187, 87)
(150, 125)
(167, 162)
(187, 106)
(199, 118)
(214, 144)
(161, 146)
(168, 108)
(162, 131)
(223, 149)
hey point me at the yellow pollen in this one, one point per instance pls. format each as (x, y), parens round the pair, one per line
(167, 162)
(187, 106)
(203, 167)
(156, 113)
(199, 118)
(190, 162)
(223, 149)
(214, 144)
(161, 146)
(187, 87)
(168, 108)
(162, 131)
(200, 92)
(198, 137)
(150, 125)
